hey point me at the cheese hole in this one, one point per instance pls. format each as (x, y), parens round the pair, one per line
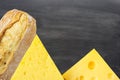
(81, 78)
(91, 65)
(65, 79)
(110, 76)
(24, 73)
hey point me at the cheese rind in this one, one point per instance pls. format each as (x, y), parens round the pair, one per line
(37, 64)
(90, 67)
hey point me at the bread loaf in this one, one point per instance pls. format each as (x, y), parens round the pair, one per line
(17, 30)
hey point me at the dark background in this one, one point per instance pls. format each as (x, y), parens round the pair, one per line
(69, 29)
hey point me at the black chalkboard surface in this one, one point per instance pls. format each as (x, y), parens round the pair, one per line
(69, 29)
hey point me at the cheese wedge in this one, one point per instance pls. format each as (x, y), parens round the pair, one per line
(37, 64)
(90, 67)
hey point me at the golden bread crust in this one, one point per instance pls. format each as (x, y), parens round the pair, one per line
(26, 26)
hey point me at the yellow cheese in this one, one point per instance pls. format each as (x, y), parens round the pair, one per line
(37, 64)
(91, 67)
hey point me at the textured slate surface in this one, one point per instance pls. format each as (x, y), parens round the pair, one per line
(70, 29)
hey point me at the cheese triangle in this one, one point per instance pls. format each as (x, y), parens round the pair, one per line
(90, 67)
(37, 64)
